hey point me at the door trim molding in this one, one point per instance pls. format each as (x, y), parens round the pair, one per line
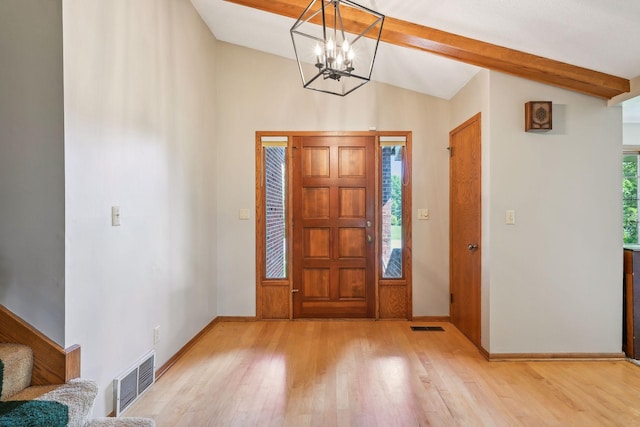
(273, 295)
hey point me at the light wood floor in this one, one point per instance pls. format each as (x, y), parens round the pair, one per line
(359, 373)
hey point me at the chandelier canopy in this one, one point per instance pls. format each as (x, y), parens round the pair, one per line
(331, 58)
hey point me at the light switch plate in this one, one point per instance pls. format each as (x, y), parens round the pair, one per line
(510, 217)
(244, 214)
(423, 214)
(115, 216)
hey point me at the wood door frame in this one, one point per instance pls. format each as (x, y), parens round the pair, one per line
(477, 118)
(268, 290)
(395, 285)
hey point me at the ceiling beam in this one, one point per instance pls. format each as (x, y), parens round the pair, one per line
(471, 51)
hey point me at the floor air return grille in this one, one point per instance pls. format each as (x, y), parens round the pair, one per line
(427, 328)
(134, 382)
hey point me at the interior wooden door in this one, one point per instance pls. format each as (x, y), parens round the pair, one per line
(334, 226)
(465, 228)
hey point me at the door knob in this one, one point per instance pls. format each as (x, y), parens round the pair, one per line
(472, 246)
(293, 291)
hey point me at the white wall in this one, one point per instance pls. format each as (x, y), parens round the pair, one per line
(258, 91)
(32, 163)
(555, 276)
(140, 134)
(631, 134)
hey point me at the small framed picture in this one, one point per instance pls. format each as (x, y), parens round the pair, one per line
(537, 116)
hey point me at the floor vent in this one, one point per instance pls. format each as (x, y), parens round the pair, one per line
(134, 382)
(428, 328)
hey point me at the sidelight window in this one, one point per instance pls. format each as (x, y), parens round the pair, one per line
(275, 209)
(393, 183)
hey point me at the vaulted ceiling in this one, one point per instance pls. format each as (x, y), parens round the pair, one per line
(590, 46)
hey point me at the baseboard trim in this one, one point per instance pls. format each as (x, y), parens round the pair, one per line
(484, 353)
(169, 363)
(431, 319)
(532, 357)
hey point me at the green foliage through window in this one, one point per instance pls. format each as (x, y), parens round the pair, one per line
(396, 200)
(392, 190)
(630, 198)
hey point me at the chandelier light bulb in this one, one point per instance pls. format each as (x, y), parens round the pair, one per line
(349, 61)
(318, 51)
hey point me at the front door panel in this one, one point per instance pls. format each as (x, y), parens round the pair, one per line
(334, 230)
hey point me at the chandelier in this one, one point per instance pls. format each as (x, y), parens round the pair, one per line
(333, 59)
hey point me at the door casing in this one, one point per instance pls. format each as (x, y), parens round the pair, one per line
(274, 298)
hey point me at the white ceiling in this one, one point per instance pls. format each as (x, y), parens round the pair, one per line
(596, 34)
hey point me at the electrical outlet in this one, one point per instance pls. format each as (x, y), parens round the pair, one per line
(156, 335)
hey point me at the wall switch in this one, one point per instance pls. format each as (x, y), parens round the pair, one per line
(156, 335)
(244, 214)
(423, 214)
(510, 217)
(115, 216)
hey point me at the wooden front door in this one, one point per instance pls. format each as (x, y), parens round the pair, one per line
(334, 226)
(465, 250)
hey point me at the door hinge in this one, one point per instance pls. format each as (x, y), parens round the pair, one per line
(450, 151)
(451, 298)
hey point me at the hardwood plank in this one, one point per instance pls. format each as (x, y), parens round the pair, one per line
(471, 51)
(343, 373)
(164, 368)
